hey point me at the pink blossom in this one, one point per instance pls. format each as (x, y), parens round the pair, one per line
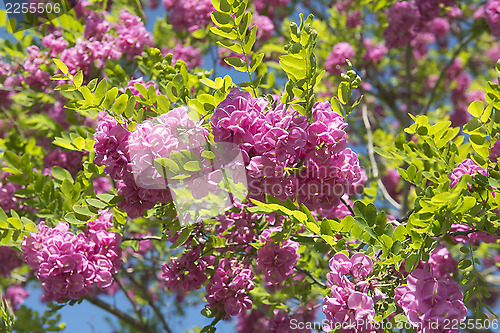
(9, 259)
(466, 167)
(189, 15)
(276, 259)
(67, 264)
(402, 17)
(336, 60)
(16, 295)
(492, 15)
(227, 289)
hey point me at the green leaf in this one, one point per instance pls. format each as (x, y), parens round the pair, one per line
(476, 109)
(183, 237)
(165, 163)
(61, 66)
(100, 91)
(238, 63)
(61, 174)
(222, 19)
(480, 145)
(110, 98)
(224, 32)
(96, 203)
(343, 93)
(141, 89)
(120, 104)
(163, 103)
(294, 67)
(129, 110)
(78, 79)
(192, 166)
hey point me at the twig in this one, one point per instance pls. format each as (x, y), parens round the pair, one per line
(371, 154)
(459, 48)
(347, 205)
(406, 217)
(300, 269)
(150, 302)
(119, 314)
(142, 238)
(137, 309)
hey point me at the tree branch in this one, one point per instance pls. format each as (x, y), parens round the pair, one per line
(301, 270)
(150, 301)
(371, 155)
(119, 314)
(459, 48)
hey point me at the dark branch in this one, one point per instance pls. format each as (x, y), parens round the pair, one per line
(119, 314)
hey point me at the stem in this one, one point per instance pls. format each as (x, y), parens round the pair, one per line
(240, 41)
(119, 314)
(347, 205)
(150, 302)
(459, 48)
(142, 238)
(300, 269)
(371, 154)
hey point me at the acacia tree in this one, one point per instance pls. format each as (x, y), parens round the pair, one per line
(350, 169)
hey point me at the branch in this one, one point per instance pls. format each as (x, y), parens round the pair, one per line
(142, 238)
(371, 154)
(459, 48)
(300, 269)
(150, 302)
(119, 314)
(347, 205)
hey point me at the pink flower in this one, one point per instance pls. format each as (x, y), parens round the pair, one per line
(402, 17)
(228, 287)
(276, 259)
(466, 167)
(428, 299)
(111, 146)
(265, 26)
(16, 295)
(9, 259)
(336, 60)
(67, 264)
(184, 274)
(492, 15)
(132, 35)
(189, 15)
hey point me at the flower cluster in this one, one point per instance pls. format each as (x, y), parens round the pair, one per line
(492, 15)
(111, 146)
(227, 290)
(277, 140)
(189, 15)
(132, 35)
(279, 322)
(16, 295)
(68, 265)
(402, 17)
(431, 295)
(69, 160)
(265, 26)
(187, 53)
(184, 274)
(9, 259)
(349, 302)
(276, 260)
(337, 58)
(237, 227)
(466, 167)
